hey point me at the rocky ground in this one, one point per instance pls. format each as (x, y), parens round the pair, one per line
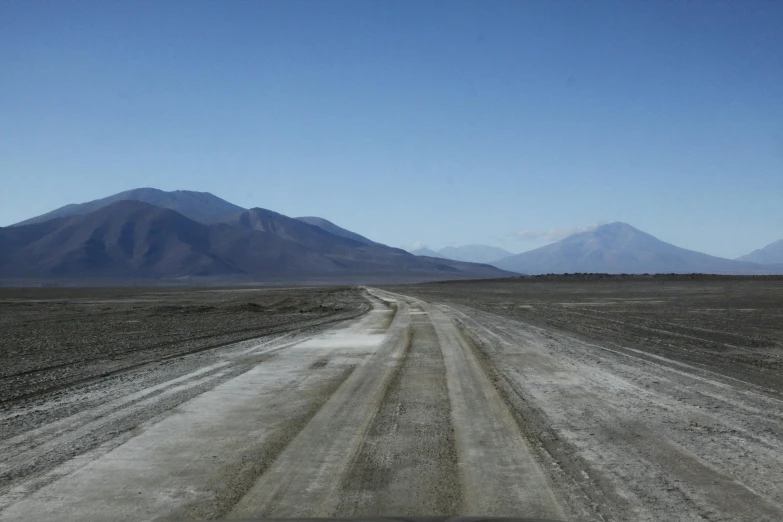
(56, 337)
(730, 325)
(654, 398)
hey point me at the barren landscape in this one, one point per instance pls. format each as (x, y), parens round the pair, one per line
(637, 399)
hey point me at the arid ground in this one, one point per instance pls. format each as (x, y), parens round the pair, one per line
(563, 400)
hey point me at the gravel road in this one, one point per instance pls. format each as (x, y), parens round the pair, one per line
(416, 407)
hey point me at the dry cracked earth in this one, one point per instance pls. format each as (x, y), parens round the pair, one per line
(645, 400)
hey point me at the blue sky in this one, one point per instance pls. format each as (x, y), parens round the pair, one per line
(439, 122)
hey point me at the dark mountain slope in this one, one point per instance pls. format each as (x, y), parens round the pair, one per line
(334, 229)
(352, 255)
(290, 229)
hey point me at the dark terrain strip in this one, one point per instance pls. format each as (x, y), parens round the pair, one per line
(752, 369)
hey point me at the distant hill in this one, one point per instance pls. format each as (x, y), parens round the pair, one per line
(770, 254)
(426, 252)
(619, 248)
(475, 253)
(334, 229)
(198, 206)
(131, 240)
(467, 253)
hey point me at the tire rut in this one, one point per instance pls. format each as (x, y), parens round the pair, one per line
(661, 478)
(303, 481)
(587, 493)
(407, 464)
(500, 475)
(234, 481)
(31, 455)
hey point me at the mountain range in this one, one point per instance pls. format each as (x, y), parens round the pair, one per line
(148, 234)
(618, 248)
(469, 253)
(426, 252)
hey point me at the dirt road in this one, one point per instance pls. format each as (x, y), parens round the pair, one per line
(415, 408)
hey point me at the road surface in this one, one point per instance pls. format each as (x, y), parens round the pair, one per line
(415, 408)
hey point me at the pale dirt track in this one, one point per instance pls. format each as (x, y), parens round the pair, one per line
(413, 409)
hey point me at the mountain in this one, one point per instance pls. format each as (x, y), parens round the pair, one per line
(198, 206)
(131, 240)
(620, 248)
(353, 255)
(135, 239)
(426, 252)
(474, 253)
(290, 229)
(334, 229)
(770, 254)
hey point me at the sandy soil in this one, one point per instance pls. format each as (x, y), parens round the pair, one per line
(450, 404)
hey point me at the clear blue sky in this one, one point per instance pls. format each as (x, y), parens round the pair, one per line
(435, 121)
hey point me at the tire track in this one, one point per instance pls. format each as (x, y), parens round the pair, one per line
(187, 476)
(407, 464)
(89, 442)
(31, 459)
(391, 414)
(56, 442)
(200, 459)
(304, 479)
(586, 491)
(499, 472)
(233, 481)
(631, 465)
